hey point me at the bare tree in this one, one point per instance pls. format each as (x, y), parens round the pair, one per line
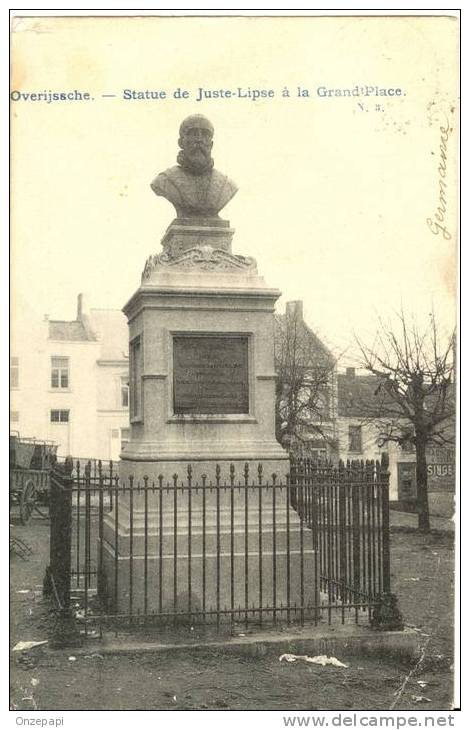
(305, 375)
(415, 396)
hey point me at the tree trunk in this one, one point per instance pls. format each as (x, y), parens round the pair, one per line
(422, 485)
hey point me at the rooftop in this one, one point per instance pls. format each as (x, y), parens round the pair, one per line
(69, 331)
(354, 391)
(308, 345)
(106, 326)
(111, 328)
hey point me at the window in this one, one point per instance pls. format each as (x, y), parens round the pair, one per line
(136, 379)
(125, 433)
(14, 372)
(125, 392)
(355, 439)
(60, 416)
(14, 416)
(60, 373)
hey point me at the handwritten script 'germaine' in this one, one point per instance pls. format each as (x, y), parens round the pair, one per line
(437, 224)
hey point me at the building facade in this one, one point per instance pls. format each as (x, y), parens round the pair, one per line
(358, 438)
(69, 381)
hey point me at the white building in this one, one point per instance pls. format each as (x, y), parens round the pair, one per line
(69, 381)
(358, 438)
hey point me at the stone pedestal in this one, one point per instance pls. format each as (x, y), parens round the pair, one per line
(202, 395)
(217, 557)
(187, 233)
(202, 380)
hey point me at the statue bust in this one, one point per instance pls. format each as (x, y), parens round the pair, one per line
(193, 186)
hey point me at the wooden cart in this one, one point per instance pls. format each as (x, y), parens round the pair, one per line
(31, 461)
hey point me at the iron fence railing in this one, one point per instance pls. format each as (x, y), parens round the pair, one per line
(347, 506)
(314, 547)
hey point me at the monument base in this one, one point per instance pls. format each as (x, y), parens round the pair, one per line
(184, 234)
(198, 465)
(213, 555)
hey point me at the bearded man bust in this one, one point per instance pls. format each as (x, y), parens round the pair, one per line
(193, 186)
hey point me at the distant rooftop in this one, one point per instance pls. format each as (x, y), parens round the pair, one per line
(355, 391)
(309, 343)
(110, 325)
(106, 326)
(69, 331)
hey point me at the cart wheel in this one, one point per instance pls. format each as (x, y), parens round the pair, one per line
(27, 502)
(42, 511)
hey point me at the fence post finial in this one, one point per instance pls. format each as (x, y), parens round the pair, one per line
(68, 464)
(246, 472)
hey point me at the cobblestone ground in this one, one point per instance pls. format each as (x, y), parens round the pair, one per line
(423, 568)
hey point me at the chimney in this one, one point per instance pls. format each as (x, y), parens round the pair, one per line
(83, 316)
(295, 310)
(351, 372)
(80, 307)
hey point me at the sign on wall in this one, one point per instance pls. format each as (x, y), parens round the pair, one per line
(440, 467)
(440, 470)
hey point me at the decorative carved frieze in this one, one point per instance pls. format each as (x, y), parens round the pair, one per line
(200, 258)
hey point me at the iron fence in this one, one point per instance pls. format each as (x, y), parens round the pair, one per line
(347, 507)
(314, 547)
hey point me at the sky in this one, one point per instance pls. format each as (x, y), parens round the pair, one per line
(334, 191)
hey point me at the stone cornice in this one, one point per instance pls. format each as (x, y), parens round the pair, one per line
(201, 298)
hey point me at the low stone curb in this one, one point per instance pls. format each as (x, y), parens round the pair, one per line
(404, 644)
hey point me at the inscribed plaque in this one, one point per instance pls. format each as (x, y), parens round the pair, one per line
(210, 374)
